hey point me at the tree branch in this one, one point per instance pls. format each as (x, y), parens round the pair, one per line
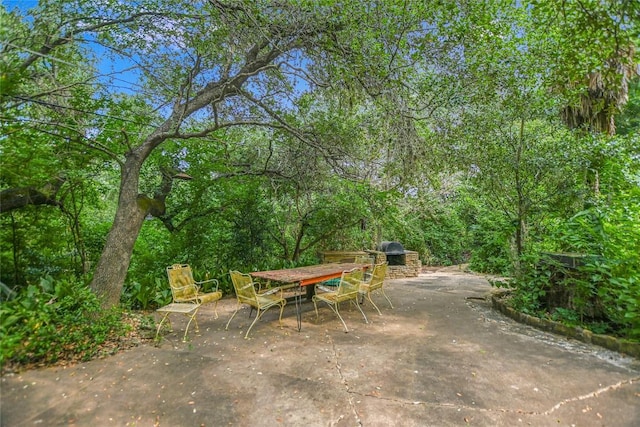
(44, 51)
(16, 198)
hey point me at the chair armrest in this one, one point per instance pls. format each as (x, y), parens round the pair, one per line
(359, 282)
(199, 284)
(271, 291)
(262, 286)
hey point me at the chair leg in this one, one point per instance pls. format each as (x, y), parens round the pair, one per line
(336, 310)
(385, 295)
(166, 315)
(192, 318)
(258, 316)
(232, 316)
(215, 308)
(373, 303)
(195, 320)
(341, 319)
(362, 312)
(281, 311)
(315, 307)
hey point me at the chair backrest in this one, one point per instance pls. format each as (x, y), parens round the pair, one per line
(363, 259)
(377, 276)
(244, 286)
(350, 282)
(183, 287)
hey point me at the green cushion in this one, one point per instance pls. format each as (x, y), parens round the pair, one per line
(332, 282)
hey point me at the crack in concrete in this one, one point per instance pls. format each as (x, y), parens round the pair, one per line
(344, 381)
(501, 410)
(445, 405)
(454, 406)
(593, 394)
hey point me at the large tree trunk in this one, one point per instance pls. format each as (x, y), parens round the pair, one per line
(112, 267)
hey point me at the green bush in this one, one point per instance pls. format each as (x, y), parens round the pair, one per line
(603, 294)
(598, 297)
(531, 285)
(491, 246)
(55, 320)
(609, 229)
(445, 237)
(151, 292)
(618, 293)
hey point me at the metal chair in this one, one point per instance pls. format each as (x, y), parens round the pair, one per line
(347, 290)
(368, 259)
(246, 294)
(375, 283)
(186, 296)
(364, 259)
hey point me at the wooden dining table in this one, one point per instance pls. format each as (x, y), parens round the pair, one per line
(303, 277)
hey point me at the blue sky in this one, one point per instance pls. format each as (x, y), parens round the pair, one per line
(119, 80)
(22, 4)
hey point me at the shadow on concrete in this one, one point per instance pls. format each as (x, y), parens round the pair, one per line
(442, 357)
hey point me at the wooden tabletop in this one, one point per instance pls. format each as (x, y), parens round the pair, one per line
(308, 275)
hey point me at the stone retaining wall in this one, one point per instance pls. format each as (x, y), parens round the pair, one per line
(611, 343)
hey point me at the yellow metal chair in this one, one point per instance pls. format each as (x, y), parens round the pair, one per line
(364, 259)
(347, 290)
(185, 289)
(246, 294)
(186, 295)
(375, 283)
(370, 260)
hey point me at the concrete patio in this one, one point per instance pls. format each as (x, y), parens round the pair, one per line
(441, 357)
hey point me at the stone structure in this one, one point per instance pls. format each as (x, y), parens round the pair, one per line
(411, 267)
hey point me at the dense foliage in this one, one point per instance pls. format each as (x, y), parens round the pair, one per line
(255, 135)
(604, 289)
(55, 320)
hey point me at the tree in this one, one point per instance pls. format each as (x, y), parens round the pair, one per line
(591, 46)
(163, 91)
(246, 70)
(42, 121)
(204, 68)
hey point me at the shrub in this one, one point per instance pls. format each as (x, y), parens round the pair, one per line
(52, 321)
(491, 246)
(150, 292)
(595, 295)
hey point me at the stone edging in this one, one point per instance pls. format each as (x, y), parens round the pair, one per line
(611, 343)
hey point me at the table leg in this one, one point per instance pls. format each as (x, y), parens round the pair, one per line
(310, 292)
(299, 307)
